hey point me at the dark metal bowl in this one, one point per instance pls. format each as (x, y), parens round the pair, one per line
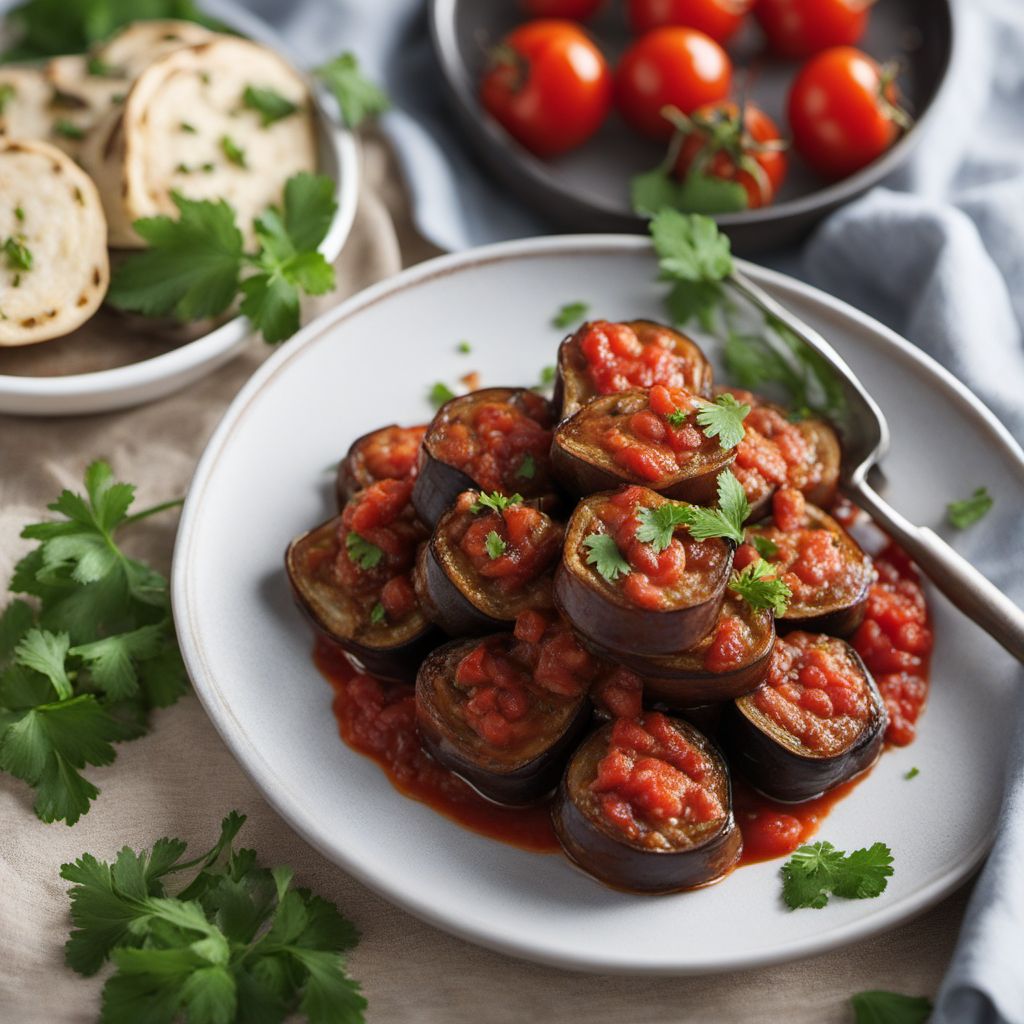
(588, 189)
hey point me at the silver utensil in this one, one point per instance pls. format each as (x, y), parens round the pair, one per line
(865, 440)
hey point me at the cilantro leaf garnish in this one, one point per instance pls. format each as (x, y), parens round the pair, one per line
(676, 418)
(99, 68)
(546, 379)
(268, 103)
(723, 419)
(912, 773)
(439, 394)
(759, 587)
(193, 267)
(724, 521)
(765, 546)
(361, 551)
(231, 941)
(527, 468)
(358, 98)
(464, 348)
(695, 256)
(84, 663)
(7, 93)
(605, 555)
(233, 151)
(817, 870)
(495, 545)
(658, 525)
(19, 256)
(378, 614)
(962, 514)
(657, 190)
(494, 502)
(878, 1007)
(67, 129)
(569, 314)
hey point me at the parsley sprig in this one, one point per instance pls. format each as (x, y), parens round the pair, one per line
(605, 556)
(361, 551)
(194, 265)
(84, 662)
(232, 941)
(723, 419)
(569, 314)
(724, 521)
(268, 103)
(658, 525)
(817, 870)
(758, 585)
(495, 545)
(358, 98)
(494, 502)
(879, 1007)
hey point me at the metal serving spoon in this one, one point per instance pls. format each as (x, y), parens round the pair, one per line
(865, 437)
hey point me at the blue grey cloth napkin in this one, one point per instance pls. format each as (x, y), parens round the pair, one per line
(946, 240)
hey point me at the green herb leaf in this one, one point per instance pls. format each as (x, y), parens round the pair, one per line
(655, 191)
(724, 419)
(233, 151)
(18, 255)
(7, 93)
(878, 1007)
(357, 97)
(495, 545)
(690, 248)
(962, 514)
(378, 615)
(45, 652)
(494, 502)
(268, 103)
(676, 418)
(464, 348)
(188, 129)
(439, 394)
(766, 547)
(652, 192)
(912, 773)
(236, 941)
(658, 525)
(569, 314)
(98, 68)
(759, 587)
(527, 468)
(814, 871)
(605, 555)
(67, 129)
(362, 552)
(724, 521)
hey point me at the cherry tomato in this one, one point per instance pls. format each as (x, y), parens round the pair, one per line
(549, 86)
(577, 10)
(843, 112)
(717, 18)
(800, 28)
(750, 154)
(677, 67)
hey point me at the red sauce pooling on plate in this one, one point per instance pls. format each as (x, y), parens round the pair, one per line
(379, 720)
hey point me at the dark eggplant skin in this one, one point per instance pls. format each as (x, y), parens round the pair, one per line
(353, 474)
(777, 764)
(573, 390)
(680, 681)
(389, 654)
(458, 604)
(457, 747)
(607, 619)
(438, 483)
(582, 468)
(614, 859)
(838, 617)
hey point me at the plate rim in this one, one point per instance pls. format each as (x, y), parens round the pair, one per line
(131, 384)
(251, 758)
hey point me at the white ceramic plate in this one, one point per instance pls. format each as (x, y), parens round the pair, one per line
(262, 480)
(134, 382)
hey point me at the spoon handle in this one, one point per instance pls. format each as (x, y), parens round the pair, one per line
(964, 585)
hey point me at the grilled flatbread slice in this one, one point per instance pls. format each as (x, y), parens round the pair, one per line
(185, 127)
(54, 269)
(28, 111)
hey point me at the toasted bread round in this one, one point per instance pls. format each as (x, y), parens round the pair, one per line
(53, 261)
(185, 128)
(28, 110)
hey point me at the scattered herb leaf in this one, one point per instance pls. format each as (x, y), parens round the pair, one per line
(658, 525)
(464, 348)
(440, 393)
(967, 512)
(605, 555)
(233, 151)
(817, 870)
(878, 1007)
(268, 103)
(494, 502)
(188, 129)
(99, 68)
(378, 614)
(727, 519)
(7, 93)
(766, 547)
(18, 255)
(723, 419)
(912, 773)
(676, 418)
(569, 314)
(494, 544)
(527, 468)
(358, 98)
(361, 551)
(759, 587)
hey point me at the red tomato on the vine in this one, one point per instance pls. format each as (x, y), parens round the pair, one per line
(575, 9)
(548, 85)
(800, 28)
(843, 111)
(750, 153)
(674, 67)
(717, 18)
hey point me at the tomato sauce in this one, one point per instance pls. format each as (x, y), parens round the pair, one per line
(389, 454)
(379, 721)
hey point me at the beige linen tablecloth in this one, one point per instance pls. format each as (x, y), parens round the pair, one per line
(180, 780)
